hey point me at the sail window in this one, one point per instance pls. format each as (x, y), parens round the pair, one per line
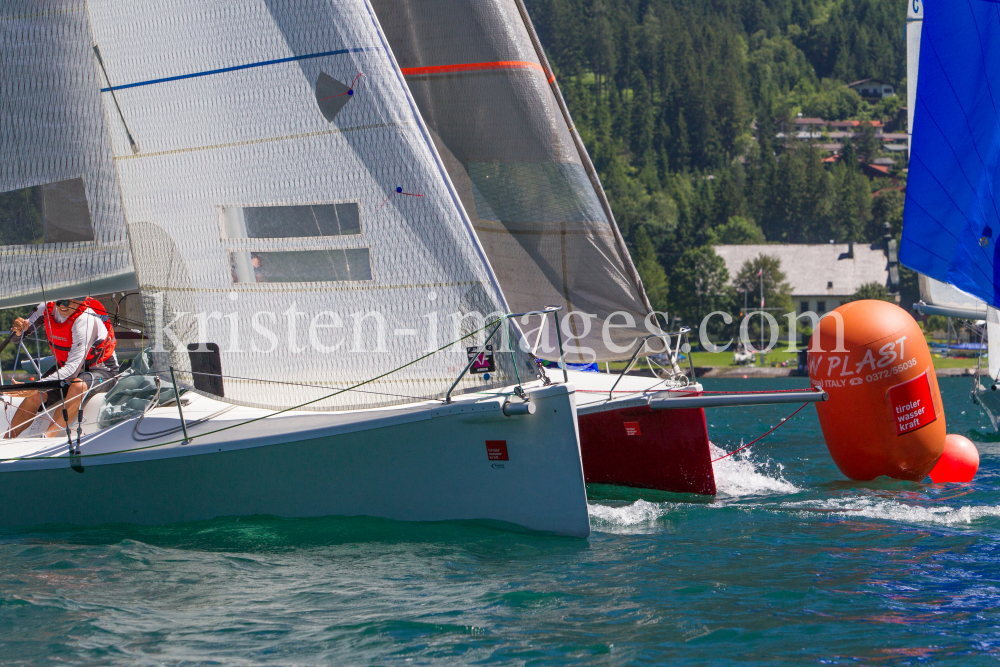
(282, 222)
(50, 213)
(303, 266)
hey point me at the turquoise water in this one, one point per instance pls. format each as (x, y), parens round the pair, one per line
(789, 564)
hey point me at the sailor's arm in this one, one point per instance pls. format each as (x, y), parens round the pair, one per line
(84, 337)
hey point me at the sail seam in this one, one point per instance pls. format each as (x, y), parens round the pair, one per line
(234, 68)
(54, 12)
(251, 142)
(366, 286)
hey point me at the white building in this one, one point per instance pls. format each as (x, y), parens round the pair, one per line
(872, 88)
(822, 275)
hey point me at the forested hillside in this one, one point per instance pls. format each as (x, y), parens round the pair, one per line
(681, 103)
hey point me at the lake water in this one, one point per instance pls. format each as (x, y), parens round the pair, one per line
(789, 564)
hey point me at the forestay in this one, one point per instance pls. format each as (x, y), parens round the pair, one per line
(62, 232)
(497, 116)
(285, 202)
(951, 225)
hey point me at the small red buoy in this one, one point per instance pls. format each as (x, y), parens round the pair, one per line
(884, 415)
(958, 463)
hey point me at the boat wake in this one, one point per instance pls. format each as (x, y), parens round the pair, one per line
(610, 519)
(891, 510)
(740, 475)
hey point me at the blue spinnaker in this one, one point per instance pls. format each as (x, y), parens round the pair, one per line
(951, 224)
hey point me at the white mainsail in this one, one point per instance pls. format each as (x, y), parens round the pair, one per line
(62, 231)
(285, 182)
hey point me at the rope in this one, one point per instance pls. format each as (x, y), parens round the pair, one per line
(256, 419)
(782, 422)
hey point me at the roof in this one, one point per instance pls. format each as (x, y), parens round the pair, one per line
(855, 123)
(864, 81)
(810, 121)
(809, 267)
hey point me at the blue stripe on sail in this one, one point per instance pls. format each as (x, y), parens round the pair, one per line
(954, 170)
(234, 68)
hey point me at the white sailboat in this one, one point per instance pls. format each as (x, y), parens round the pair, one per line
(482, 82)
(299, 250)
(950, 218)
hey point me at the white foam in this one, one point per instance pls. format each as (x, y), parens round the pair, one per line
(891, 510)
(639, 513)
(740, 475)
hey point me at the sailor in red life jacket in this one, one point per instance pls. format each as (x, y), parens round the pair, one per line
(83, 344)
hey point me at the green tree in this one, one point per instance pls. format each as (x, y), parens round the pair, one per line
(873, 291)
(868, 145)
(654, 278)
(701, 286)
(737, 231)
(764, 270)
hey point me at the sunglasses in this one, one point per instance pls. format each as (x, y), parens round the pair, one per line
(63, 303)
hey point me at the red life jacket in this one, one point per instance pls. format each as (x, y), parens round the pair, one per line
(60, 334)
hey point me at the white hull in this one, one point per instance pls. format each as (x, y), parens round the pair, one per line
(426, 462)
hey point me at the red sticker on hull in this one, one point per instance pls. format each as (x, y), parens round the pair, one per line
(632, 428)
(496, 450)
(911, 405)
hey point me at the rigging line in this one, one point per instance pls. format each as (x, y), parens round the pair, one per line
(257, 419)
(100, 61)
(300, 384)
(779, 425)
(958, 161)
(965, 115)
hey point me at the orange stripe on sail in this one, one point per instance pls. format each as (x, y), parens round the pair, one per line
(473, 67)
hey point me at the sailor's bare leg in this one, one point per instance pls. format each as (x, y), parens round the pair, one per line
(24, 414)
(74, 394)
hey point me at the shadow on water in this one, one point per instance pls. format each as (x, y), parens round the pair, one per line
(612, 493)
(268, 534)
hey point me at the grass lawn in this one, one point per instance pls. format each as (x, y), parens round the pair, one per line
(954, 362)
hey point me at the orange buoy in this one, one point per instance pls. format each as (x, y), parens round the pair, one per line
(884, 415)
(958, 463)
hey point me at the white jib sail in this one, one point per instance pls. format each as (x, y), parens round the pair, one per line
(285, 203)
(62, 232)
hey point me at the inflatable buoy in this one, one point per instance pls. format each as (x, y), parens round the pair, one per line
(958, 463)
(884, 415)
